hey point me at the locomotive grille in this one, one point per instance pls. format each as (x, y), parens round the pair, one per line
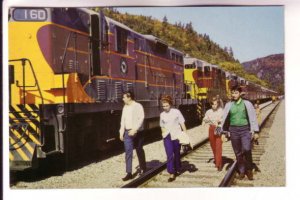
(118, 90)
(101, 90)
(129, 87)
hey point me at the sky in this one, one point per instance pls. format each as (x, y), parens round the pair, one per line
(251, 31)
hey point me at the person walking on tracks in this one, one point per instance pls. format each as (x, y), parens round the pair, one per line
(213, 117)
(130, 132)
(172, 124)
(258, 112)
(239, 118)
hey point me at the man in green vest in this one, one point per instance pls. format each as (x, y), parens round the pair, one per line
(239, 118)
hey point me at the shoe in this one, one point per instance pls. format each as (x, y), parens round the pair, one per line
(220, 168)
(172, 178)
(241, 176)
(142, 171)
(127, 177)
(249, 174)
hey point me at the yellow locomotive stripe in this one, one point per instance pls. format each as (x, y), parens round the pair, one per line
(31, 130)
(24, 142)
(154, 56)
(34, 139)
(19, 150)
(70, 29)
(158, 68)
(11, 156)
(77, 51)
(119, 54)
(201, 78)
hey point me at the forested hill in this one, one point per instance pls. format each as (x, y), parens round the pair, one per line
(184, 38)
(269, 68)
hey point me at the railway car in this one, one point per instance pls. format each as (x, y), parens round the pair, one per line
(251, 91)
(68, 68)
(206, 81)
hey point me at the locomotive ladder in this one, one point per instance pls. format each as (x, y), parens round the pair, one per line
(24, 120)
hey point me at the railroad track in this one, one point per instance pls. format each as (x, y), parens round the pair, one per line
(198, 168)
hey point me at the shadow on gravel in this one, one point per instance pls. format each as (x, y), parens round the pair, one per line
(186, 166)
(56, 165)
(228, 161)
(153, 163)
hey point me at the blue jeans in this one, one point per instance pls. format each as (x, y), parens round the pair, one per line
(172, 148)
(240, 137)
(131, 142)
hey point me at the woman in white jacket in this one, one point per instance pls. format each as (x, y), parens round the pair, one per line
(172, 124)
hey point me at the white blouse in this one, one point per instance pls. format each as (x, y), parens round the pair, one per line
(171, 122)
(213, 117)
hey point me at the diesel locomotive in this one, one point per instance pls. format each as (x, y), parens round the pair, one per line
(68, 68)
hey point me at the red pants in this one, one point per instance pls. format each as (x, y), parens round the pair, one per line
(216, 145)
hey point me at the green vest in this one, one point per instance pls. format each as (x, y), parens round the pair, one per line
(238, 114)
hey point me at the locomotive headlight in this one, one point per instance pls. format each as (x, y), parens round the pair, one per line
(60, 109)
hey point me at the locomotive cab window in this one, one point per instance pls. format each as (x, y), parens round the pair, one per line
(206, 71)
(105, 29)
(242, 82)
(161, 48)
(138, 43)
(121, 40)
(180, 59)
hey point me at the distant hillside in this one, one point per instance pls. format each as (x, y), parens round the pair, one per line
(270, 69)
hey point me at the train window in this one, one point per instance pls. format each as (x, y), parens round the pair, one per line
(200, 72)
(242, 82)
(105, 28)
(181, 59)
(121, 45)
(173, 56)
(136, 44)
(178, 58)
(161, 48)
(206, 71)
(190, 66)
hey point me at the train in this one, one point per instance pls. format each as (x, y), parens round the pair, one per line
(68, 69)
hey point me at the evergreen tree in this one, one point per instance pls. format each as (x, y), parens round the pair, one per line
(230, 51)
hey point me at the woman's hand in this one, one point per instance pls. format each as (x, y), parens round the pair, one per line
(223, 138)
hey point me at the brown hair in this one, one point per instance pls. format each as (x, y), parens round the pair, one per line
(215, 99)
(167, 99)
(129, 94)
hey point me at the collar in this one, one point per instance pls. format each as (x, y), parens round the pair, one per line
(239, 101)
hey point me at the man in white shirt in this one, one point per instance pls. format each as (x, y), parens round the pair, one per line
(130, 132)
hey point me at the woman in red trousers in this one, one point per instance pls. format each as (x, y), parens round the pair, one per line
(213, 117)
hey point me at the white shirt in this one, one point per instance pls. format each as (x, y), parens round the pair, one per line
(171, 122)
(132, 117)
(128, 112)
(213, 117)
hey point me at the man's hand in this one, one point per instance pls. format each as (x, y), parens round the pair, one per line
(132, 132)
(255, 136)
(122, 137)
